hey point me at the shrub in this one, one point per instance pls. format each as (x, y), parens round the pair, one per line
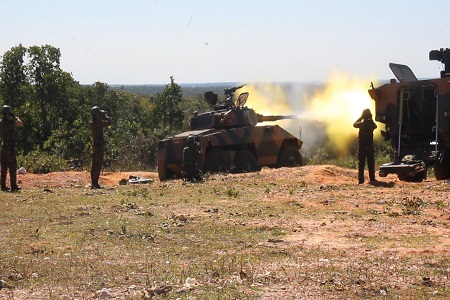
(325, 156)
(39, 162)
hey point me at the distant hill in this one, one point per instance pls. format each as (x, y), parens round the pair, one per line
(189, 89)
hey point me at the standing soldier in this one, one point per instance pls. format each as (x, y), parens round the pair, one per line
(99, 120)
(8, 153)
(365, 151)
(190, 156)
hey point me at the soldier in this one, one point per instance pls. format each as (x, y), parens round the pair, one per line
(365, 151)
(99, 120)
(191, 152)
(8, 153)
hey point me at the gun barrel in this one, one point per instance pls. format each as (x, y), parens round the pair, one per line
(233, 89)
(262, 118)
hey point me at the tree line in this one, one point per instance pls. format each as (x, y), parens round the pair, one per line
(55, 110)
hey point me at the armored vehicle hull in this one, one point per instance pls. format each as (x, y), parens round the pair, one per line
(244, 149)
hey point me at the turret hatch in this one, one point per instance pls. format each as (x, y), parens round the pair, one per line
(403, 73)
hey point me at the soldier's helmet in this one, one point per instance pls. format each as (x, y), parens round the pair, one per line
(366, 113)
(6, 109)
(95, 111)
(190, 139)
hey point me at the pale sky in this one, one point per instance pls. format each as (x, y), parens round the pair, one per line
(203, 41)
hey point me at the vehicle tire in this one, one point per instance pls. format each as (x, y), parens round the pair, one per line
(217, 161)
(419, 177)
(441, 170)
(245, 161)
(162, 175)
(289, 157)
(162, 171)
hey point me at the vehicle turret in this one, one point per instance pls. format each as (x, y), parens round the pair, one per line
(229, 113)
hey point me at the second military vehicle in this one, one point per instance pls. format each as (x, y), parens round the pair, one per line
(230, 140)
(417, 117)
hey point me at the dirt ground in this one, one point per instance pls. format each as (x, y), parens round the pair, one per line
(312, 174)
(343, 183)
(77, 179)
(324, 185)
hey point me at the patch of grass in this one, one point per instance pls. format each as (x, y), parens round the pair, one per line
(232, 192)
(419, 241)
(413, 206)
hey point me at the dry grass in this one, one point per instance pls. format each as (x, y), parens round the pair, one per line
(306, 233)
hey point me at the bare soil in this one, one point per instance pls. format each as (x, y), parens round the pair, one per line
(353, 213)
(77, 179)
(316, 175)
(325, 177)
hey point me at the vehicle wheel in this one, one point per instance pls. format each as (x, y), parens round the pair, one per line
(441, 171)
(162, 175)
(419, 177)
(217, 161)
(245, 161)
(162, 171)
(289, 157)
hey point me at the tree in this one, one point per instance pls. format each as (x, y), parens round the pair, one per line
(47, 99)
(168, 113)
(56, 109)
(13, 80)
(193, 104)
(51, 91)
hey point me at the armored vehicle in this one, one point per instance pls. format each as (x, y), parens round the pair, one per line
(231, 140)
(417, 117)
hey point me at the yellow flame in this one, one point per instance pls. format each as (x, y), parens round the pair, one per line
(268, 99)
(337, 105)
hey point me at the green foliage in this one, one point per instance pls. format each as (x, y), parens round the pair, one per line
(324, 156)
(192, 104)
(232, 192)
(13, 76)
(189, 90)
(39, 162)
(167, 114)
(55, 110)
(383, 153)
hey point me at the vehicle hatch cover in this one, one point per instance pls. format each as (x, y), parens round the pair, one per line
(403, 73)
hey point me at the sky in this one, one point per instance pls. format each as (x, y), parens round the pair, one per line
(199, 41)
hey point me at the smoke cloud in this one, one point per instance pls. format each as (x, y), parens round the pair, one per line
(325, 112)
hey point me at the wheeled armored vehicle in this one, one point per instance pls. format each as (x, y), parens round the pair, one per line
(231, 140)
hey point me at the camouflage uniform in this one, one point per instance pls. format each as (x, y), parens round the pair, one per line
(191, 153)
(98, 148)
(8, 153)
(365, 151)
